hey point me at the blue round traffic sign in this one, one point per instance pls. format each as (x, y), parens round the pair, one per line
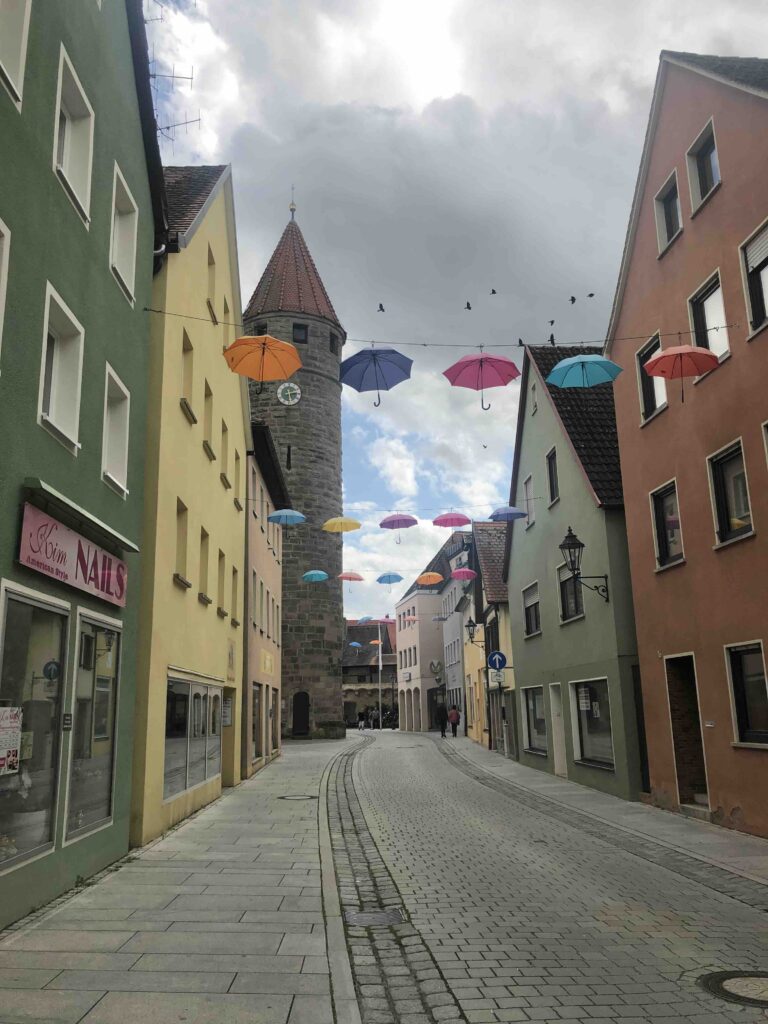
(497, 660)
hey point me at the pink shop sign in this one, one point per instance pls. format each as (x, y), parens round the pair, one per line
(49, 547)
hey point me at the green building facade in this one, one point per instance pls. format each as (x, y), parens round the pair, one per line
(80, 218)
(578, 705)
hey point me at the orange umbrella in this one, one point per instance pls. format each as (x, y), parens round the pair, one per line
(429, 579)
(263, 358)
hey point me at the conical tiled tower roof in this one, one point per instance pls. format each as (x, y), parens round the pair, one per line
(291, 283)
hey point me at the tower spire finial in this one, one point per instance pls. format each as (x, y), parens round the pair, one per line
(292, 207)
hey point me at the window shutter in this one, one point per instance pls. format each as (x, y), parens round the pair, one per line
(757, 250)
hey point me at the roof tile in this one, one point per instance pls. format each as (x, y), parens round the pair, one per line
(489, 545)
(187, 189)
(751, 72)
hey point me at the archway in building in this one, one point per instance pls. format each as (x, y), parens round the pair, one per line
(301, 713)
(409, 711)
(417, 710)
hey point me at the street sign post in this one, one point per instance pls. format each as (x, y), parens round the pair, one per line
(497, 660)
(497, 677)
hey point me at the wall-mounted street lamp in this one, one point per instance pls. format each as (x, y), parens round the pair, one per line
(471, 628)
(572, 549)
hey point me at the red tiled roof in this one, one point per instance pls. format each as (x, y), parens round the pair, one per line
(291, 283)
(489, 545)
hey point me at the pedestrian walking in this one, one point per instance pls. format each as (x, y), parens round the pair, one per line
(442, 718)
(375, 718)
(361, 721)
(454, 717)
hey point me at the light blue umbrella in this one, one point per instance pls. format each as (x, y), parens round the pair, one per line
(354, 643)
(389, 577)
(365, 618)
(583, 371)
(286, 517)
(506, 514)
(315, 576)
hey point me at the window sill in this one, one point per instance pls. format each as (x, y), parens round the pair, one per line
(204, 599)
(69, 443)
(181, 581)
(10, 85)
(582, 762)
(530, 750)
(209, 451)
(669, 565)
(530, 636)
(573, 618)
(235, 622)
(115, 485)
(186, 408)
(720, 360)
(530, 524)
(221, 612)
(124, 286)
(758, 330)
(238, 504)
(225, 480)
(669, 243)
(749, 746)
(703, 202)
(553, 502)
(656, 412)
(733, 540)
(73, 197)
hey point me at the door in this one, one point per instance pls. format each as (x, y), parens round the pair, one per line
(686, 730)
(645, 776)
(558, 730)
(301, 713)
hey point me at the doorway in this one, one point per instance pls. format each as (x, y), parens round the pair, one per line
(301, 713)
(558, 730)
(687, 742)
(637, 690)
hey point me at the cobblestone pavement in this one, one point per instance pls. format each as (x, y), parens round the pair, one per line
(521, 914)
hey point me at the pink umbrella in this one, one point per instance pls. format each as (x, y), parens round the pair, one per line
(451, 519)
(353, 577)
(481, 372)
(398, 521)
(681, 361)
(463, 574)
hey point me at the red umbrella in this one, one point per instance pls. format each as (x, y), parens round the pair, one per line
(463, 574)
(481, 372)
(681, 361)
(451, 519)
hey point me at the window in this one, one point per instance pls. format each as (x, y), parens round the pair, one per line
(708, 316)
(288, 456)
(729, 486)
(192, 736)
(666, 520)
(278, 625)
(300, 334)
(261, 605)
(233, 604)
(274, 714)
(224, 453)
(668, 220)
(73, 140)
(181, 538)
(187, 376)
(34, 637)
(703, 166)
(227, 323)
(756, 266)
(534, 401)
(261, 506)
(14, 25)
(531, 610)
(593, 718)
(750, 693)
(237, 478)
(204, 559)
(114, 444)
(5, 246)
(269, 615)
(257, 729)
(211, 298)
(61, 372)
(93, 729)
(208, 422)
(125, 222)
(571, 597)
(220, 585)
(535, 720)
(415, 659)
(530, 509)
(262, 328)
(554, 486)
(653, 390)
(334, 344)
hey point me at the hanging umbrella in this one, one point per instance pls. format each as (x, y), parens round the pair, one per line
(375, 369)
(365, 618)
(353, 577)
(507, 514)
(411, 618)
(374, 643)
(286, 517)
(463, 574)
(429, 579)
(354, 643)
(681, 361)
(263, 358)
(481, 372)
(315, 576)
(398, 521)
(583, 371)
(451, 519)
(388, 577)
(340, 524)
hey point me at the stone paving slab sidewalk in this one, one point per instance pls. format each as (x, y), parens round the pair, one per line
(221, 920)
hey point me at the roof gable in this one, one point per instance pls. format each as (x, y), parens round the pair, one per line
(490, 540)
(189, 190)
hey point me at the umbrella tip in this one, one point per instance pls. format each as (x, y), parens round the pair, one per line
(292, 207)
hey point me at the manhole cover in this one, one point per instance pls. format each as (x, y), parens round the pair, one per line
(750, 988)
(297, 796)
(373, 918)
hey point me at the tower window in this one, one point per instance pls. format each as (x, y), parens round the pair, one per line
(334, 341)
(261, 329)
(300, 334)
(288, 457)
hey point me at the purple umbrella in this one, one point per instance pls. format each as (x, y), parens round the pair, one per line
(375, 369)
(398, 521)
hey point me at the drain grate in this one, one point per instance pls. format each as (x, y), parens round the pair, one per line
(750, 988)
(297, 796)
(373, 918)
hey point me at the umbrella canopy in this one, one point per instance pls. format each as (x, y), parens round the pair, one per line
(429, 579)
(411, 618)
(375, 369)
(340, 524)
(506, 514)
(374, 643)
(365, 618)
(286, 517)
(479, 372)
(451, 519)
(353, 577)
(389, 577)
(315, 576)
(681, 361)
(354, 643)
(583, 371)
(398, 521)
(263, 358)
(463, 574)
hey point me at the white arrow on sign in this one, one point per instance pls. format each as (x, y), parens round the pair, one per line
(497, 660)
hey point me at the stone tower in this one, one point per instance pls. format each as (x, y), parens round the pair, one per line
(291, 303)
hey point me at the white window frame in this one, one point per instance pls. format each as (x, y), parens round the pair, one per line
(127, 283)
(527, 748)
(72, 444)
(652, 506)
(658, 208)
(691, 160)
(713, 503)
(530, 508)
(5, 252)
(15, 87)
(578, 753)
(121, 486)
(745, 283)
(639, 371)
(82, 203)
(693, 298)
(727, 648)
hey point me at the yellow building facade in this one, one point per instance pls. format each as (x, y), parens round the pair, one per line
(191, 649)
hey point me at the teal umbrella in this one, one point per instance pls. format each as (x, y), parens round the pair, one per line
(315, 576)
(286, 517)
(583, 371)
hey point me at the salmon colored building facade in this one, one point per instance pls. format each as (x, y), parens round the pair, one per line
(694, 472)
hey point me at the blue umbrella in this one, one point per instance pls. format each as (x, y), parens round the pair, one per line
(375, 369)
(286, 517)
(315, 576)
(354, 643)
(389, 577)
(365, 618)
(506, 514)
(583, 371)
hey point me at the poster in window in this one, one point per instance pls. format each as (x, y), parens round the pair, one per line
(585, 702)
(10, 740)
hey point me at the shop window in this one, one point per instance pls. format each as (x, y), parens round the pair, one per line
(125, 225)
(61, 374)
(731, 496)
(192, 736)
(571, 597)
(593, 718)
(535, 720)
(93, 728)
(708, 316)
(31, 686)
(73, 140)
(274, 714)
(666, 520)
(531, 614)
(213, 759)
(257, 727)
(653, 390)
(14, 26)
(750, 692)
(114, 445)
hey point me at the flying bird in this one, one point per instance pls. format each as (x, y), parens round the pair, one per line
(381, 309)
(572, 299)
(468, 306)
(520, 342)
(485, 446)
(493, 291)
(551, 323)
(591, 295)
(551, 339)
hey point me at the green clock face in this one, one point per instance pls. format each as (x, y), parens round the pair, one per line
(289, 393)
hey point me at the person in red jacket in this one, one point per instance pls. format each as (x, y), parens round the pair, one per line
(454, 717)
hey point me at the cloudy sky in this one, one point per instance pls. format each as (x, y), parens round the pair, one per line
(439, 148)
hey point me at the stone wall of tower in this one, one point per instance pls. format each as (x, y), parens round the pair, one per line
(308, 441)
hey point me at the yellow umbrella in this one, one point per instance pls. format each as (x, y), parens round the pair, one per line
(428, 579)
(340, 524)
(263, 358)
